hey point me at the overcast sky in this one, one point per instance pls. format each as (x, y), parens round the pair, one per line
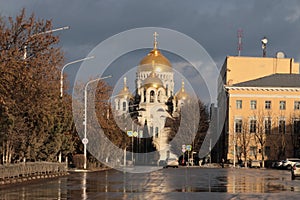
(212, 23)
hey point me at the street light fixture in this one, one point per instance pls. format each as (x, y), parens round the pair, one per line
(51, 31)
(85, 140)
(61, 73)
(42, 33)
(37, 34)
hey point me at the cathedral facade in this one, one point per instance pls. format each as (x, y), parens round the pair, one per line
(155, 98)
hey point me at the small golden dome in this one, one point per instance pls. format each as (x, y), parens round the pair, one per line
(181, 94)
(152, 81)
(125, 92)
(162, 64)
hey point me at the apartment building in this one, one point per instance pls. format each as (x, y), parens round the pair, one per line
(260, 97)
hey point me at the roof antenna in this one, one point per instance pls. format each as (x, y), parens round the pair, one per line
(264, 42)
(240, 46)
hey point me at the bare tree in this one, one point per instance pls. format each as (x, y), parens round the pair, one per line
(243, 139)
(263, 129)
(293, 128)
(190, 127)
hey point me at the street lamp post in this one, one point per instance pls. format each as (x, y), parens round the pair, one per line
(85, 140)
(62, 75)
(42, 33)
(51, 31)
(234, 148)
(133, 132)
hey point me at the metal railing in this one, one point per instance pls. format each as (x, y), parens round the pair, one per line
(29, 170)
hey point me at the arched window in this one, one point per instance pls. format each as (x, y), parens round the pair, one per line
(124, 106)
(167, 88)
(156, 132)
(159, 96)
(152, 93)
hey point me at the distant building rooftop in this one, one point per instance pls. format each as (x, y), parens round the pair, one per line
(274, 80)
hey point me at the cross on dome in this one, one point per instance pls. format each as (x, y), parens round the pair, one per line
(155, 40)
(125, 82)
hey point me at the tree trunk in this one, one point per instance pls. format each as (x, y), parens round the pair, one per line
(10, 154)
(245, 159)
(3, 152)
(7, 152)
(262, 157)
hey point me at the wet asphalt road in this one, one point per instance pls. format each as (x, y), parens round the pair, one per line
(182, 183)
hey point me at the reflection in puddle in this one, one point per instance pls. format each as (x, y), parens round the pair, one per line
(254, 183)
(84, 195)
(201, 189)
(117, 185)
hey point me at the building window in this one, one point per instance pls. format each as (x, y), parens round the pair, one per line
(268, 126)
(267, 104)
(167, 88)
(238, 125)
(253, 150)
(239, 104)
(158, 96)
(281, 127)
(152, 96)
(124, 106)
(296, 126)
(267, 151)
(253, 104)
(252, 126)
(297, 105)
(282, 105)
(156, 132)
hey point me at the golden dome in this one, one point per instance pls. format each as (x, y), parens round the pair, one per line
(181, 94)
(152, 81)
(125, 92)
(162, 64)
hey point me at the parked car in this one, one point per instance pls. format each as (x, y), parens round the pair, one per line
(277, 164)
(295, 171)
(255, 164)
(289, 162)
(162, 163)
(172, 162)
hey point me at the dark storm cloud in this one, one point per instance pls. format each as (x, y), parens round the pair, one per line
(213, 24)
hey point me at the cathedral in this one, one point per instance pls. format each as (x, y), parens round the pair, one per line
(154, 97)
